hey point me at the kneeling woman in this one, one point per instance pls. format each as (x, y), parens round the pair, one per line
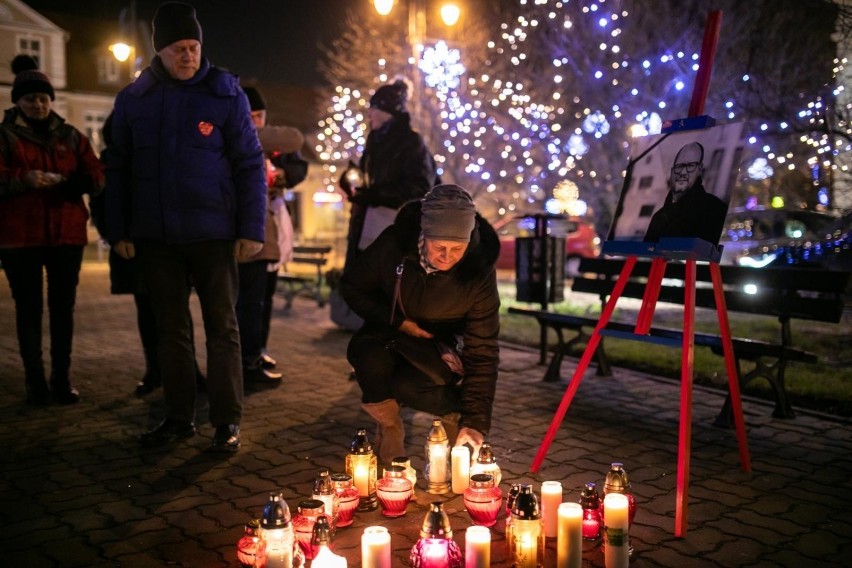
(427, 291)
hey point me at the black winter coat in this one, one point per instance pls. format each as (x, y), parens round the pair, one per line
(397, 168)
(461, 301)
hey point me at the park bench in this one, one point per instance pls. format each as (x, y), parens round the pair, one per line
(785, 293)
(292, 283)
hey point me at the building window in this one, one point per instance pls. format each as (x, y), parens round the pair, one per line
(31, 47)
(93, 123)
(108, 70)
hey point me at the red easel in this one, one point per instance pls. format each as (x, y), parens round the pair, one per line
(646, 315)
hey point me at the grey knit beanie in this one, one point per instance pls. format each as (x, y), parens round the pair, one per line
(447, 213)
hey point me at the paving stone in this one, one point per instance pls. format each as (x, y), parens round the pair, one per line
(78, 490)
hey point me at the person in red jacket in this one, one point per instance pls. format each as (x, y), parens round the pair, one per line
(46, 166)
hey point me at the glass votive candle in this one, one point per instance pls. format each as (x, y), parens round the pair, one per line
(348, 498)
(376, 548)
(591, 503)
(477, 551)
(394, 491)
(303, 523)
(483, 500)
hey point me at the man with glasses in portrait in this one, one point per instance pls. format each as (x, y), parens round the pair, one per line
(688, 211)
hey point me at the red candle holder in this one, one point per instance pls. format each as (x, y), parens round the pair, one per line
(251, 548)
(436, 547)
(303, 524)
(483, 500)
(394, 491)
(617, 482)
(591, 503)
(348, 498)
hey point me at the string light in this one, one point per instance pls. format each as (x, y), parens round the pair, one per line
(505, 139)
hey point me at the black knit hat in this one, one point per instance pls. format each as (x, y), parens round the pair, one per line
(28, 79)
(391, 98)
(174, 21)
(255, 99)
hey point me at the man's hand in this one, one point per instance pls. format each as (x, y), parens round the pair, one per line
(125, 249)
(411, 328)
(472, 438)
(247, 249)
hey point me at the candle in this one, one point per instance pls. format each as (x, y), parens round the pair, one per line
(461, 468)
(477, 550)
(569, 541)
(551, 497)
(528, 543)
(325, 558)
(616, 547)
(362, 480)
(376, 548)
(438, 465)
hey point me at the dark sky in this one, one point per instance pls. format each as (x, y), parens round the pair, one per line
(273, 41)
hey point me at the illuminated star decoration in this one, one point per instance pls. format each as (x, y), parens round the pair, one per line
(442, 67)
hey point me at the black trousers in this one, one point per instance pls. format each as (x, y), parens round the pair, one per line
(25, 269)
(169, 272)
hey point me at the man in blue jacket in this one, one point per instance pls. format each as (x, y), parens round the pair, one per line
(186, 195)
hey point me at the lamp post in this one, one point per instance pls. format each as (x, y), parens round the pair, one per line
(123, 51)
(450, 13)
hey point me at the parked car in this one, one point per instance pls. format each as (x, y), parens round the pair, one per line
(779, 237)
(833, 251)
(581, 239)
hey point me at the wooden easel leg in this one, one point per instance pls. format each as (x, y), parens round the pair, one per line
(731, 366)
(591, 346)
(686, 374)
(652, 293)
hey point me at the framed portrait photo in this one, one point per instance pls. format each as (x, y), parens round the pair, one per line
(678, 185)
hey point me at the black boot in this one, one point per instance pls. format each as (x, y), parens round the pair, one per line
(149, 383)
(63, 392)
(37, 392)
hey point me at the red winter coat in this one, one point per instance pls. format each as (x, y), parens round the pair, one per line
(50, 216)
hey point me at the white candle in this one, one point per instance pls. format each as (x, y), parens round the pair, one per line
(616, 549)
(569, 541)
(460, 456)
(477, 547)
(325, 558)
(361, 479)
(551, 497)
(376, 548)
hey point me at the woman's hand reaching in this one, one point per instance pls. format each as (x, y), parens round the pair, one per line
(411, 328)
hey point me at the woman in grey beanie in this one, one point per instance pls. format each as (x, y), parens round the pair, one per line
(427, 291)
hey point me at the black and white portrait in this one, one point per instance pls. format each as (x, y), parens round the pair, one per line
(681, 187)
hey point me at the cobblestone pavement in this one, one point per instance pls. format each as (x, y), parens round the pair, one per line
(77, 490)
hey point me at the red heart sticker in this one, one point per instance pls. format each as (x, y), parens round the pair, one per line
(205, 128)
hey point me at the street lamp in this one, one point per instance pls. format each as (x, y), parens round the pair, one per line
(450, 13)
(123, 51)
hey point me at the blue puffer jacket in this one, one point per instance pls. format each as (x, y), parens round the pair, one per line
(185, 164)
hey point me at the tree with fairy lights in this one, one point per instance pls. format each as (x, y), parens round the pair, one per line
(552, 98)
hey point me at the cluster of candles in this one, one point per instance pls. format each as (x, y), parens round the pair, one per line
(278, 540)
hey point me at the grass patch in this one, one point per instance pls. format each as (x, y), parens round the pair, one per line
(825, 386)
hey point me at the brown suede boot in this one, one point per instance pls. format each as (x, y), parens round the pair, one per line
(390, 439)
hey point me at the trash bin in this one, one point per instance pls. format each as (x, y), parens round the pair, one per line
(540, 265)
